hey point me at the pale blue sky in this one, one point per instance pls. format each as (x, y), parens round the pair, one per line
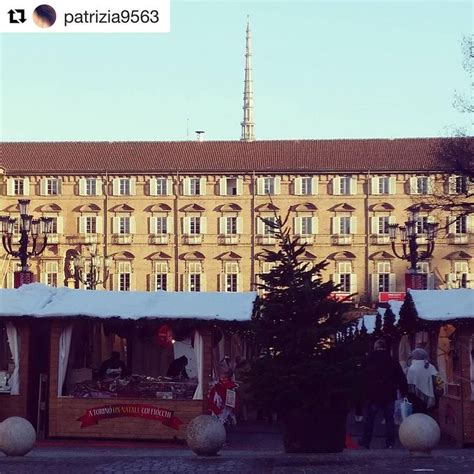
(321, 70)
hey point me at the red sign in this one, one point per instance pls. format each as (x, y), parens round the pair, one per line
(23, 278)
(416, 281)
(92, 416)
(164, 336)
(385, 296)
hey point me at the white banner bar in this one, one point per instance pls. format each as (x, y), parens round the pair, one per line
(85, 16)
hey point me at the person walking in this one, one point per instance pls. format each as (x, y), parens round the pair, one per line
(421, 378)
(382, 376)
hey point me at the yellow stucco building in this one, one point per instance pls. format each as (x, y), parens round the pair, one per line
(185, 216)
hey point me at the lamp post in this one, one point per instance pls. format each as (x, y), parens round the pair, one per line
(89, 270)
(412, 251)
(28, 227)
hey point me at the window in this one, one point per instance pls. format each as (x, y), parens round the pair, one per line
(460, 225)
(345, 225)
(195, 276)
(124, 187)
(344, 276)
(267, 228)
(161, 276)
(384, 185)
(161, 225)
(124, 225)
(161, 186)
(306, 187)
(91, 187)
(124, 276)
(90, 224)
(52, 186)
(461, 184)
(383, 222)
(268, 185)
(18, 186)
(420, 184)
(231, 186)
(306, 227)
(345, 185)
(231, 276)
(54, 225)
(194, 225)
(50, 273)
(231, 225)
(421, 224)
(195, 186)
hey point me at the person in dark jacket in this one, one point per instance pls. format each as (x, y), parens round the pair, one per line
(177, 368)
(382, 375)
(113, 367)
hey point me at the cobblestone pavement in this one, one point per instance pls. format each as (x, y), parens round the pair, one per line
(118, 461)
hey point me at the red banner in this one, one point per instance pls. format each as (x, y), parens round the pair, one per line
(385, 296)
(416, 281)
(149, 412)
(164, 336)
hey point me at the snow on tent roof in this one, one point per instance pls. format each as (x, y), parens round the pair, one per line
(44, 301)
(369, 319)
(443, 305)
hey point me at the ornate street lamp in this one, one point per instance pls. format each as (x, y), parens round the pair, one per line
(412, 250)
(28, 227)
(89, 270)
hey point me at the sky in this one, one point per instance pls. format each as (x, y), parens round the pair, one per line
(321, 70)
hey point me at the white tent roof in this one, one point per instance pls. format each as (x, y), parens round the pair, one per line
(44, 301)
(443, 305)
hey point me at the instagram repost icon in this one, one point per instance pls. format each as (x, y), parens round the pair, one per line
(44, 16)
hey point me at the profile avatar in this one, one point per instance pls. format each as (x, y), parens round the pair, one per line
(44, 16)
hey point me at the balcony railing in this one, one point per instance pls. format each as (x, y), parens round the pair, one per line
(306, 238)
(122, 239)
(342, 239)
(381, 239)
(459, 239)
(228, 239)
(192, 239)
(266, 239)
(159, 239)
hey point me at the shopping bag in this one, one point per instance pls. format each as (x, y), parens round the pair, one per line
(406, 408)
(398, 412)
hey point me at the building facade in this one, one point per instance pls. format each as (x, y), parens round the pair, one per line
(187, 216)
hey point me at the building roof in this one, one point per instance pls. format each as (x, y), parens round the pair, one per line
(39, 300)
(272, 156)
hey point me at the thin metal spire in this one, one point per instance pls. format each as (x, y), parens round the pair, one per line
(247, 124)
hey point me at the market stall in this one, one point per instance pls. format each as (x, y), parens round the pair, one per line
(128, 365)
(442, 322)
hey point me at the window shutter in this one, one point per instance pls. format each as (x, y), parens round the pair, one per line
(239, 225)
(152, 282)
(260, 226)
(430, 184)
(374, 286)
(277, 184)
(430, 281)
(374, 184)
(260, 186)
(353, 225)
(239, 282)
(169, 186)
(450, 280)
(336, 225)
(314, 225)
(202, 186)
(9, 280)
(133, 282)
(336, 278)
(470, 280)
(60, 225)
(43, 278)
(297, 184)
(169, 224)
(314, 185)
(450, 225)
(152, 225)
(187, 186)
(115, 225)
(336, 186)
(392, 185)
(116, 187)
(10, 187)
(133, 186)
(203, 282)
(240, 186)
(98, 224)
(374, 225)
(116, 281)
(98, 187)
(392, 220)
(222, 285)
(223, 186)
(470, 224)
(44, 187)
(133, 225)
(222, 225)
(353, 287)
(297, 225)
(203, 225)
(353, 185)
(26, 186)
(153, 187)
(413, 185)
(186, 225)
(82, 187)
(82, 225)
(392, 282)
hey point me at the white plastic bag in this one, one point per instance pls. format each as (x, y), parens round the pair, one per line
(406, 408)
(398, 413)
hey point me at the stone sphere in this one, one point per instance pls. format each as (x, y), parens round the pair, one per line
(205, 435)
(419, 433)
(17, 436)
